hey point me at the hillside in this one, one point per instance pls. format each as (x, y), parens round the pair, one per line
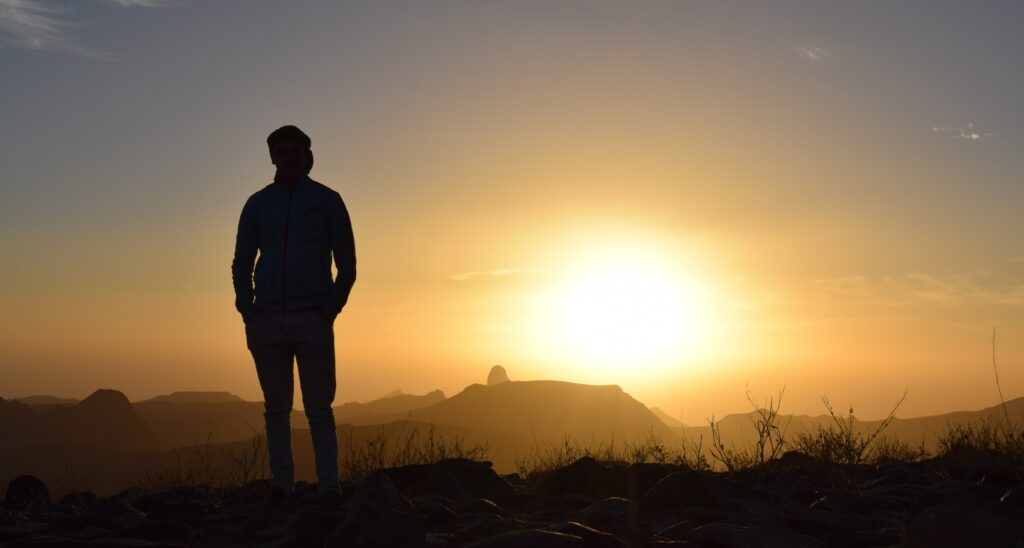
(196, 397)
(546, 410)
(383, 409)
(737, 429)
(105, 419)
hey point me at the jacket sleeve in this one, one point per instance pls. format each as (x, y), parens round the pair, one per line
(344, 249)
(246, 245)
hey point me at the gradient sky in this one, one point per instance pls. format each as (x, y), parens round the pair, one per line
(842, 184)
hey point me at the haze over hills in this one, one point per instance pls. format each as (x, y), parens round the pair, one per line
(738, 429)
(666, 418)
(43, 399)
(109, 436)
(196, 397)
(546, 409)
(105, 419)
(387, 408)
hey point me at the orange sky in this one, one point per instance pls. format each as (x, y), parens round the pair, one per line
(846, 212)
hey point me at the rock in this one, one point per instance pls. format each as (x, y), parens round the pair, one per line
(831, 526)
(844, 502)
(1014, 497)
(617, 516)
(640, 477)
(57, 542)
(436, 516)
(260, 520)
(378, 490)
(488, 526)
(79, 499)
(497, 375)
(585, 477)
(592, 538)
(455, 479)
(65, 525)
(313, 524)
(679, 531)
(691, 488)
(50, 542)
(962, 519)
(113, 507)
(727, 535)
(10, 534)
(170, 531)
(480, 506)
(366, 526)
(26, 491)
(535, 538)
(180, 503)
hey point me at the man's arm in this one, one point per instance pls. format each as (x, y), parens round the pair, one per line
(246, 244)
(344, 248)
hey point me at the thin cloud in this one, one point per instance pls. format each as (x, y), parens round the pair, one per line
(29, 24)
(968, 132)
(490, 273)
(813, 50)
(918, 287)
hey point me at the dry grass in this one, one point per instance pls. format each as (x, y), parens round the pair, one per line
(409, 446)
(768, 445)
(544, 457)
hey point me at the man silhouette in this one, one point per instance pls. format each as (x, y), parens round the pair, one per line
(295, 223)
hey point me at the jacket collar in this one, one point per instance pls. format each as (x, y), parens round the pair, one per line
(300, 180)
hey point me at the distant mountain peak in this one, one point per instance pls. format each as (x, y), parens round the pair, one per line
(393, 393)
(497, 375)
(105, 398)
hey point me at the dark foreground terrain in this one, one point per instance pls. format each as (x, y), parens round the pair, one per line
(970, 500)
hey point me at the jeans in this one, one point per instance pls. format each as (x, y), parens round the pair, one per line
(275, 339)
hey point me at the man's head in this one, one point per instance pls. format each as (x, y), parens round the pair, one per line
(290, 151)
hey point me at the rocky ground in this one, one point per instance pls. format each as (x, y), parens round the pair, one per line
(792, 502)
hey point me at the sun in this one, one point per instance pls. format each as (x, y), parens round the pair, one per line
(627, 311)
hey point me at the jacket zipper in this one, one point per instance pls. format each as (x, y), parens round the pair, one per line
(284, 255)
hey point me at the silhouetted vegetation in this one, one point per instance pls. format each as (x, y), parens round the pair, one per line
(651, 449)
(357, 460)
(768, 445)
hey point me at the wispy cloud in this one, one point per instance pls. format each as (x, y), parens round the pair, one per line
(461, 277)
(918, 287)
(31, 24)
(968, 132)
(813, 50)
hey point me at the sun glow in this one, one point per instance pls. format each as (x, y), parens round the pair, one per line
(627, 310)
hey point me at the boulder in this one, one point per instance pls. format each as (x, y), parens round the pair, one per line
(534, 538)
(25, 491)
(313, 524)
(585, 477)
(168, 531)
(378, 490)
(962, 519)
(367, 526)
(592, 538)
(619, 517)
(727, 535)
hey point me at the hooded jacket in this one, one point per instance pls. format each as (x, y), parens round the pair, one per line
(295, 226)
